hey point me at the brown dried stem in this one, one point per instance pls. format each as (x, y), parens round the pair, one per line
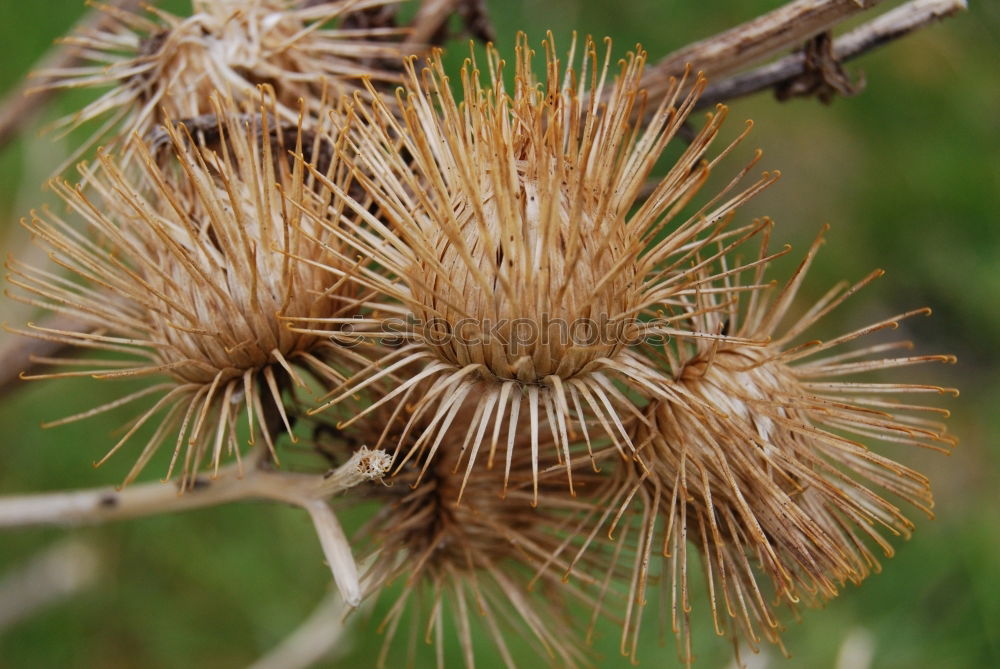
(430, 25)
(892, 25)
(58, 572)
(232, 484)
(753, 41)
(99, 505)
(320, 637)
(19, 354)
(431, 16)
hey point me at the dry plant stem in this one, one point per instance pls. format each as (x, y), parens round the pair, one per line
(430, 17)
(54, 574)
(309, 492)
(319, 637)
(857, 650)
(17, 108)
(892, 25)
(18, 354)
(750, 42)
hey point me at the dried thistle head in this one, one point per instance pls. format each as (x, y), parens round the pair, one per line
(506, 232)
(490, 558)
(164, 66)
(774, 462)
(184, 270)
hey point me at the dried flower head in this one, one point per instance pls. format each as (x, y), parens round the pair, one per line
(184, 270)
(489, 558)
(165, 66)
(774, 465)
(506, 231)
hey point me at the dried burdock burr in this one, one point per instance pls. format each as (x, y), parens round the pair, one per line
(489, 561)
(163, 66)
(183, 269)
(517, 263)
(777, 467)
(587, 389)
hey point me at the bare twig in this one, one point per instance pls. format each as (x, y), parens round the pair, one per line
(54, 574)
(316, 639)
(757, 658)
(857, 650)
(477, 20)
(430, 25)
(17, 108)
(753, 41)
(19, 354)
(232, 484)
(432, 15)
(88, 507)
(892, 25)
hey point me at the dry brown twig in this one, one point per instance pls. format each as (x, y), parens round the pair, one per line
(56, 573)
(319, 637)
(431, 22)
(748, 43)
(430, 17)
(19, 354)
(232, 484)
(892, 25)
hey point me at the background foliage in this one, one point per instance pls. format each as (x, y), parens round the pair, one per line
(907, 174)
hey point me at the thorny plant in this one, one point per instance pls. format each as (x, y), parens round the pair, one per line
(266, 211)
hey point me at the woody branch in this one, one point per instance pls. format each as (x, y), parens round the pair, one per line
(231, 484)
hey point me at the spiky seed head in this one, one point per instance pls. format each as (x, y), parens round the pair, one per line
(507, 233)
(774, 464)
(188, 267)
(163, 66)
(489, 561)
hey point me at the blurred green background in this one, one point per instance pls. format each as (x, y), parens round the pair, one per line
(908, 175)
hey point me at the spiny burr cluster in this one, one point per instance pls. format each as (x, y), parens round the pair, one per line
(185, 265)
(577, 365)
(507, 232)
(166, 67)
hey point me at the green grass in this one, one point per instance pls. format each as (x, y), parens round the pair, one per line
(908, 175)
